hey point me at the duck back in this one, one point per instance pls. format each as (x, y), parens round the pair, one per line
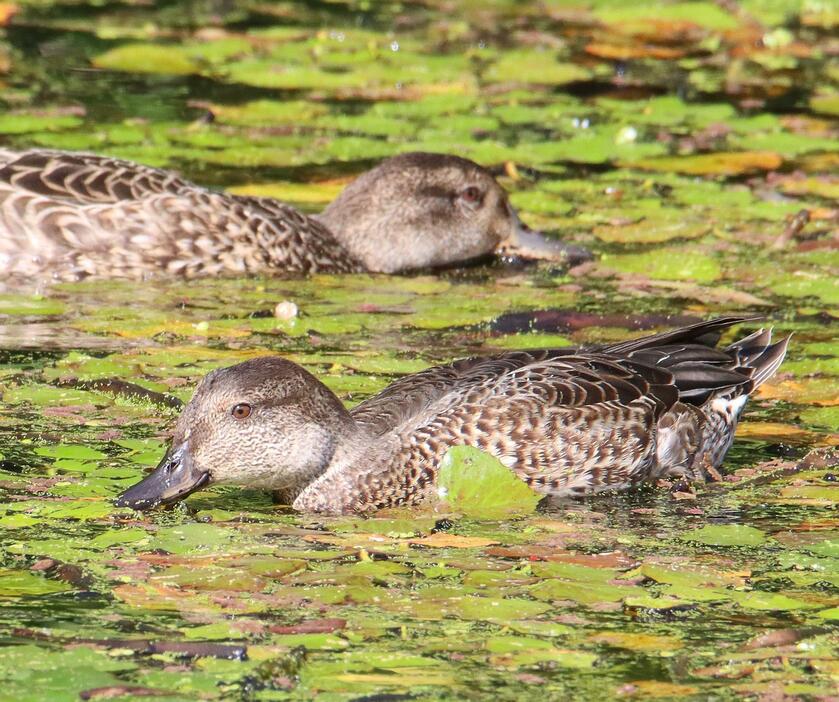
(566, 421)
(73, 215)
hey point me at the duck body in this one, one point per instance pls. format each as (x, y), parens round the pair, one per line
(67, 216)
(566, 421)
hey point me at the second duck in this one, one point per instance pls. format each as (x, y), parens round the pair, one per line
(68, 216)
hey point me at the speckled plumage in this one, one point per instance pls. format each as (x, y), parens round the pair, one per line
(566, 421)
(68, 216)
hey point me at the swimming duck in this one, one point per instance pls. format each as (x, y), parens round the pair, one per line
(75, 215)
(566, 421)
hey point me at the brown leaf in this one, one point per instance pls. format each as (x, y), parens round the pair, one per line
(652, 689)
(7, 11)
(722, 163)
(313, 626)
(150, 596)
(771, 431)
(442, 539)
(637, 641)
(539, 552)
(113, 691)
(625, 52)
(777, 637)
(815, 391)
(679, 495)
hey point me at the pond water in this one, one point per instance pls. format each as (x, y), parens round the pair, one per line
(680, 142)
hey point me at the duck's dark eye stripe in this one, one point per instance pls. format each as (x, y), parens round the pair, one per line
(241, 411)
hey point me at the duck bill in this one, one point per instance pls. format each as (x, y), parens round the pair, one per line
(528, 243)
(174, 478)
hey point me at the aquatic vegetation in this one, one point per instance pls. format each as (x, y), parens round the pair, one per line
(681, 148)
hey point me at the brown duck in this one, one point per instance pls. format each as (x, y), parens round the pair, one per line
(566, 421)
(68, 216)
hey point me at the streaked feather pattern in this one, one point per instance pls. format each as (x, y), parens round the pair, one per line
(79, 215)
(566, 421)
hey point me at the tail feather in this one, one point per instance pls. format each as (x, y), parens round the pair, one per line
(704, 333)
(757, 355)
(701, 372)
(714, 386)
(767, 362)
(757, 358)
(762, 337)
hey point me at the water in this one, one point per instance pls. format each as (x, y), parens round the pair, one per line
(612, 131)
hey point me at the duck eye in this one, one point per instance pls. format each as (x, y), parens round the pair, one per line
(471, 195)
(241, 411)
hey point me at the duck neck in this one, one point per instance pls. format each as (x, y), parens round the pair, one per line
(342, 228)
(342, 486)
(331, 448)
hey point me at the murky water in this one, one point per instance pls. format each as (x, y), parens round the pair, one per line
(678, 144)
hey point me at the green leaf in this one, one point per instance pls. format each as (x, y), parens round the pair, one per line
(828, 548)
(769, 601)
(588, 593)
(192, 538)
(20, 584)
(147, 58)
(726, 535)
(59, 676)
(704, 14)
(28, 304)
(495, 609)
(822, 287)
(534, 66)
(831, 614)
(667, 264)
(479, 485)
(71, 451)
(24, 124)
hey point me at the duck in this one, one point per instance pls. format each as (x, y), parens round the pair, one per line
(73, 215)
(566, 421)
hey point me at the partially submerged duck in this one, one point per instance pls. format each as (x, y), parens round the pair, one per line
(68, 216)
(566, 421)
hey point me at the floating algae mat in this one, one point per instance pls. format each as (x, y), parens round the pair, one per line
(682, 143)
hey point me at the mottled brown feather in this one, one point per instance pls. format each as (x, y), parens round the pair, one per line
(67, 216)
(566, 421)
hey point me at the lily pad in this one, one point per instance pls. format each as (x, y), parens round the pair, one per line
(147, 58)
(667, 264)
(726, 535)
(534, 66)
(475, 483)
(725, 164)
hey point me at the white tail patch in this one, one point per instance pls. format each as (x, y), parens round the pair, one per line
(729, 407)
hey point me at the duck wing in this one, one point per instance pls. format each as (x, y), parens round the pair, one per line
(412, 395)
(82, 178)
(75, 215)
(561, 421)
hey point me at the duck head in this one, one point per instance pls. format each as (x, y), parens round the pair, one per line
(264, 423)
(424, 210)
